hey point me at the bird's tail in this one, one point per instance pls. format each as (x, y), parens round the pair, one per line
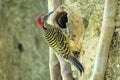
(77, 64)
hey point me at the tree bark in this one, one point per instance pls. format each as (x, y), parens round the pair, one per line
(105, 40)
(59, 68)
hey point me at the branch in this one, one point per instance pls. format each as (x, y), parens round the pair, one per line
(54, 65)
(56, 62)
(105, 39)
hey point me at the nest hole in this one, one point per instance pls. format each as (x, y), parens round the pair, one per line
(61, 19)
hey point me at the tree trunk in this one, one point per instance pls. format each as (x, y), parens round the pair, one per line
(93, 11)
(108, 26)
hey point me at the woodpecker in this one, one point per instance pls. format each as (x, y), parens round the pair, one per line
(58, 41)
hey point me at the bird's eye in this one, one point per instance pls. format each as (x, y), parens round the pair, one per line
(42, 19)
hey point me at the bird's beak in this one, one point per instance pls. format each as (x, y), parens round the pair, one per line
(45, 17)
(49, 13)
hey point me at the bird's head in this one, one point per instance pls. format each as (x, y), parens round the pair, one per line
(41, 19)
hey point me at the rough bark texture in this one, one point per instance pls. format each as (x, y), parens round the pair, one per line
(113, 65)
(93, 11)
(107, 30)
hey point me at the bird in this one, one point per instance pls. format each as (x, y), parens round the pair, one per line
(58, 41)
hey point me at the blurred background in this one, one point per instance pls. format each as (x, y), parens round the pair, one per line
(23, 51)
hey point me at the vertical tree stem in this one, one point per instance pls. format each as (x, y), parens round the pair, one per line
(54, 65)
(108, 26)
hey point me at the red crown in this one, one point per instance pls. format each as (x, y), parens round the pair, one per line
(38, 21)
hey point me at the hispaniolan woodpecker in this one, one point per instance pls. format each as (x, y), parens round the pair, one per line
(58, 41)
